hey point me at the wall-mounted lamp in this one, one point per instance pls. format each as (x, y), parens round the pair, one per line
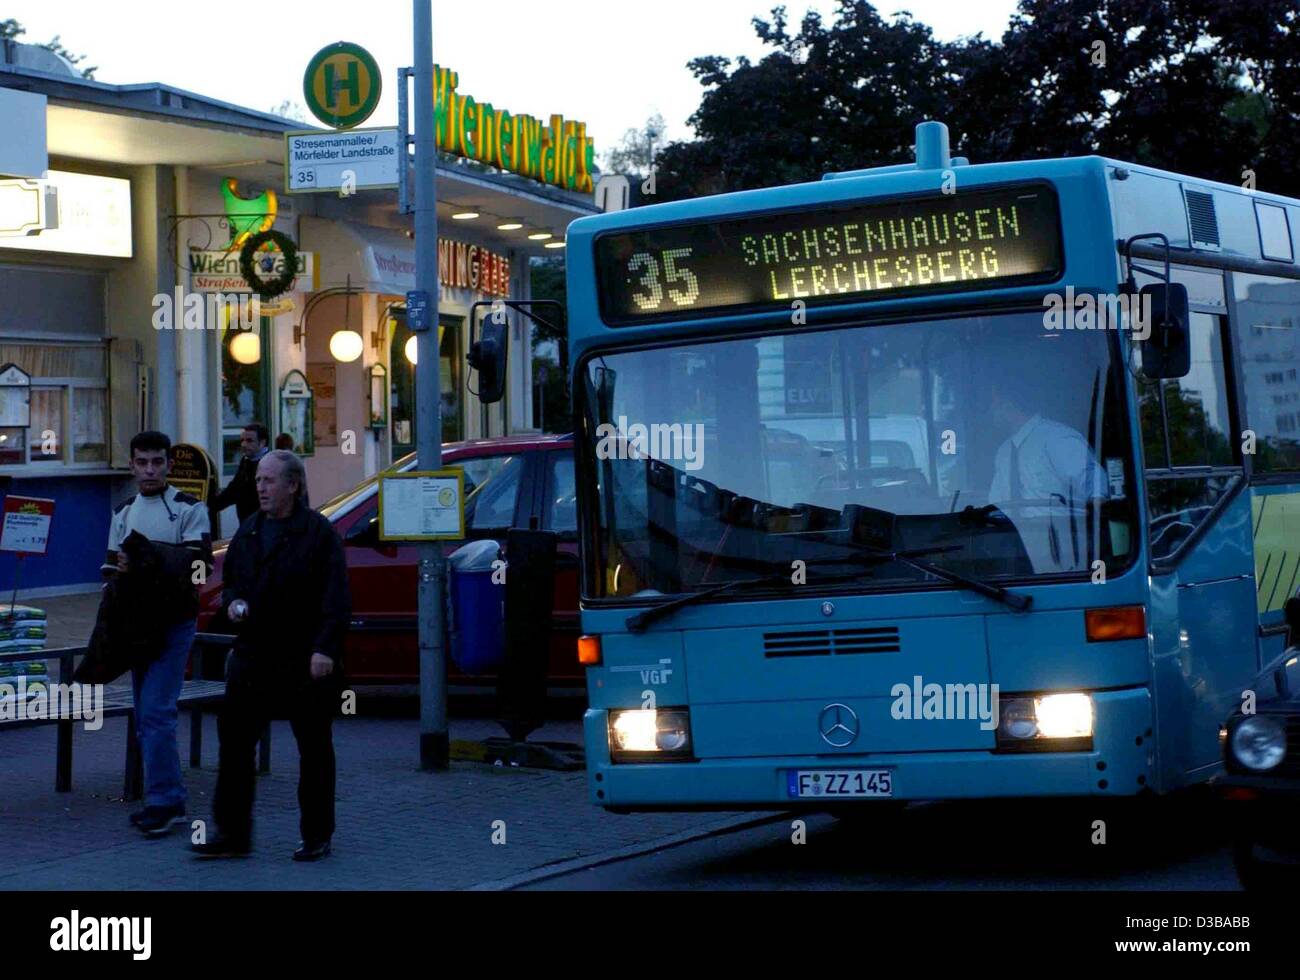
(300, 328)
(246, 347)
(346, 345)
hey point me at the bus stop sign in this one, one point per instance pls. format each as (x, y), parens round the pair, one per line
(342, 85)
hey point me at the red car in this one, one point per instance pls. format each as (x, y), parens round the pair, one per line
(519, 482)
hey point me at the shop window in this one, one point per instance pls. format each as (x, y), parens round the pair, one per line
(89, 425)
(46, 434)
(1268, 314)
(245, 388)
(68, 403)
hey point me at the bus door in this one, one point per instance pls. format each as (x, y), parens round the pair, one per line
(1202, 609)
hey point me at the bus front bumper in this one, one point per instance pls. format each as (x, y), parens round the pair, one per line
(1119, 764)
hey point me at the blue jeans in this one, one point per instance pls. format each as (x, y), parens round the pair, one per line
(156, 689)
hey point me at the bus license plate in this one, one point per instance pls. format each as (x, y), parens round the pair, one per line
(840, 783)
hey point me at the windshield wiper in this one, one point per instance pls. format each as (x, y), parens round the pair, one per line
(638, 622)
(1014, 600)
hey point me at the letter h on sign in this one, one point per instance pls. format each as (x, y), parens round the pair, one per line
(352, 83)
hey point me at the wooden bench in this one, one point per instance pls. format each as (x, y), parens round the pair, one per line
(197, 696)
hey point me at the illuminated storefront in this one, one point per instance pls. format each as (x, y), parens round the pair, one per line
(148, 192)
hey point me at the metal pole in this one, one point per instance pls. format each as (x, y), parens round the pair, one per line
(428, 409)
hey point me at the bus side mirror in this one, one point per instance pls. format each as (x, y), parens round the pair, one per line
(1166, 347)
(487, 356)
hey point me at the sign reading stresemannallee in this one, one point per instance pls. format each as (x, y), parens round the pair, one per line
(979, 239)
(347, 161)
(26, 527)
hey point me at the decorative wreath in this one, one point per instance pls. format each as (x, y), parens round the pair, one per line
(248, 263)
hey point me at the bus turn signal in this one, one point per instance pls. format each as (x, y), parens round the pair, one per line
(1115, 623)
(589, 651)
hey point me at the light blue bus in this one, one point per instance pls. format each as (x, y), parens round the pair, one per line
(879, 504)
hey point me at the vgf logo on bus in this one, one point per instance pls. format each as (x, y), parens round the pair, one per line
(656, 675)
(650, 673)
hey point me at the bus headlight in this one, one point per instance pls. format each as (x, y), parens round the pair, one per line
(649, 733)
(1259, 743)
(1050, 723)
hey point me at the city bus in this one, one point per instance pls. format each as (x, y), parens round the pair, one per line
(931, 481)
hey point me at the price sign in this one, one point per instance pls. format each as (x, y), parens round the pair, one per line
(26, 527)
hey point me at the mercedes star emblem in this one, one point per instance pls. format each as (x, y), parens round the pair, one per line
(838, 724)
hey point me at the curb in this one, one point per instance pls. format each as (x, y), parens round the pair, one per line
(559, 868)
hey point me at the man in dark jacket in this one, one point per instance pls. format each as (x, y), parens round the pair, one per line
(286, 591)
(242, 488)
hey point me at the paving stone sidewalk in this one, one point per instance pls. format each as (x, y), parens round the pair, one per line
(398, 827)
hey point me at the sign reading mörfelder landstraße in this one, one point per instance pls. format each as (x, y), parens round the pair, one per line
(321, 161)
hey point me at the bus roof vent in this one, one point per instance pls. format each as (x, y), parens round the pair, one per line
(1202, 219)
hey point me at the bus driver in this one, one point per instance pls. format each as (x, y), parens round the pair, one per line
(1044, 474)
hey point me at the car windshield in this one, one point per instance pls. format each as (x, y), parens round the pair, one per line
(991, 438)
(362, 489)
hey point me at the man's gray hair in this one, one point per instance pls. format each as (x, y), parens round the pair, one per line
(293, 470)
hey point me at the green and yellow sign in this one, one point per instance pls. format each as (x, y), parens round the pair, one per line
(560, 153)
(342, 85)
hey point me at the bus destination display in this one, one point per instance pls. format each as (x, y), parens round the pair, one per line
(975, 240)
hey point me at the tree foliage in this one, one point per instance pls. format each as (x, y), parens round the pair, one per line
(11, 30)
(635, 153)
(1206, 87)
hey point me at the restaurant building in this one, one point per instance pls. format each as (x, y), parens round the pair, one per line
(108, 260)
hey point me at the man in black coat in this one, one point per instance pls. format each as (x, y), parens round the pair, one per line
(286, 592)
(242, 488)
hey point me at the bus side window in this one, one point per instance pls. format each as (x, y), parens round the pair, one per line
(1268, 337)
(1186, 425)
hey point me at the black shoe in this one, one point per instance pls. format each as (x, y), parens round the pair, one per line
(138, 816)
(311, 852)
(221, 846)
(157, 821)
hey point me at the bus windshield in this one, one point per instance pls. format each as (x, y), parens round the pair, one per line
(995, 445)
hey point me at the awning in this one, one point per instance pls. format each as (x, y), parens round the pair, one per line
(379, 260)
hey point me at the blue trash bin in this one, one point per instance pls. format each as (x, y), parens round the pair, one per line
(478, 622)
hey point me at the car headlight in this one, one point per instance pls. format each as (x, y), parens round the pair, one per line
(649, 733)
(1049, 723)
(1259, 743)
